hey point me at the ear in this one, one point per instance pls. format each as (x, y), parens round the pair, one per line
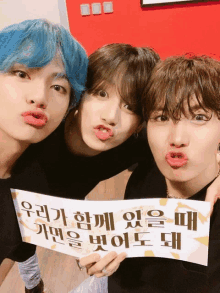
(218, 153)
(218, 147)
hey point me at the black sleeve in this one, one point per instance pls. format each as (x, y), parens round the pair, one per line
(23, 252)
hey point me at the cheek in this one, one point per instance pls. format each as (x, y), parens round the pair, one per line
(157, 142)
(88, 111)
(130, 124)
(58, 109)
(208, 150)
(86, 119)
(13, 93)
(205, 144)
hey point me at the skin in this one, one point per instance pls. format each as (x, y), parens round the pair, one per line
(198, 137)
(28, 89)
(107, 109)
(95, 264)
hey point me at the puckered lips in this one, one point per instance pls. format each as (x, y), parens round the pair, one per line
(35, 118)
(102, 132)
(176, 159)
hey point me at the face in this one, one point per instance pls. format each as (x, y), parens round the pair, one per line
(33, 101)
(185, 150)
(105, 121)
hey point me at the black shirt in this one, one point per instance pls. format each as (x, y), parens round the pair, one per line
(49, 168)
(27, 175)
(160, 275)
(73, 176)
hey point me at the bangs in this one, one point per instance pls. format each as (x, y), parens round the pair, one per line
(33, 46)
(74, 58)
(125, 83)
(180, 86)
(180, 102)
(34, 43)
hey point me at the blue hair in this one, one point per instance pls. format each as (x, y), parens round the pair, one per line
(34, 43)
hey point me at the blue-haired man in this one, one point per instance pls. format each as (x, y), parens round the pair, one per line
(42, 72)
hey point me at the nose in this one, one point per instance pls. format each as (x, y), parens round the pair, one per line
(38, 96)
(110, 113)
(179, 136)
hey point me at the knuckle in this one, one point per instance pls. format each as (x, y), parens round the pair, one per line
(91, 270)
(97, 268)
(90, 273)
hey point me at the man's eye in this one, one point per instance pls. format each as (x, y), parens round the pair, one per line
(201, 117)
(59, 88)
(21, 74)
(161, 118)
(103, 94)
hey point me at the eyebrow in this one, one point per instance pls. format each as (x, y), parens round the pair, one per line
(17, 65)
(55, 75)
(59, 75)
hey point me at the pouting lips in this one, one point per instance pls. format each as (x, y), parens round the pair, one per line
(176, 155)
(35, 118)
(176, 159)
(102, 132)
(103, 129)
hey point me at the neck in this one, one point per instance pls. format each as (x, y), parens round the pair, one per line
(73, 137)
(178, 189)
(10, 151)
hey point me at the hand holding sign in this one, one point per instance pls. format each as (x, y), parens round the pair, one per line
(105, 266)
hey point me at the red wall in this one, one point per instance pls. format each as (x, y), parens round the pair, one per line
(170, 30)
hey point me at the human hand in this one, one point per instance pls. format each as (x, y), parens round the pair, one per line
(100, 267)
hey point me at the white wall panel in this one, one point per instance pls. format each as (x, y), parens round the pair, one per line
(13, 11)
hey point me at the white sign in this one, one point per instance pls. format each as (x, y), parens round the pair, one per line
(170, 228)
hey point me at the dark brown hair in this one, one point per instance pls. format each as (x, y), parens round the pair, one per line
(177, 80)
(126, 67)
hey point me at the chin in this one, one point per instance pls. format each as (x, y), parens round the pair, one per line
(178, 178)
(96, 145)
(33, 139)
